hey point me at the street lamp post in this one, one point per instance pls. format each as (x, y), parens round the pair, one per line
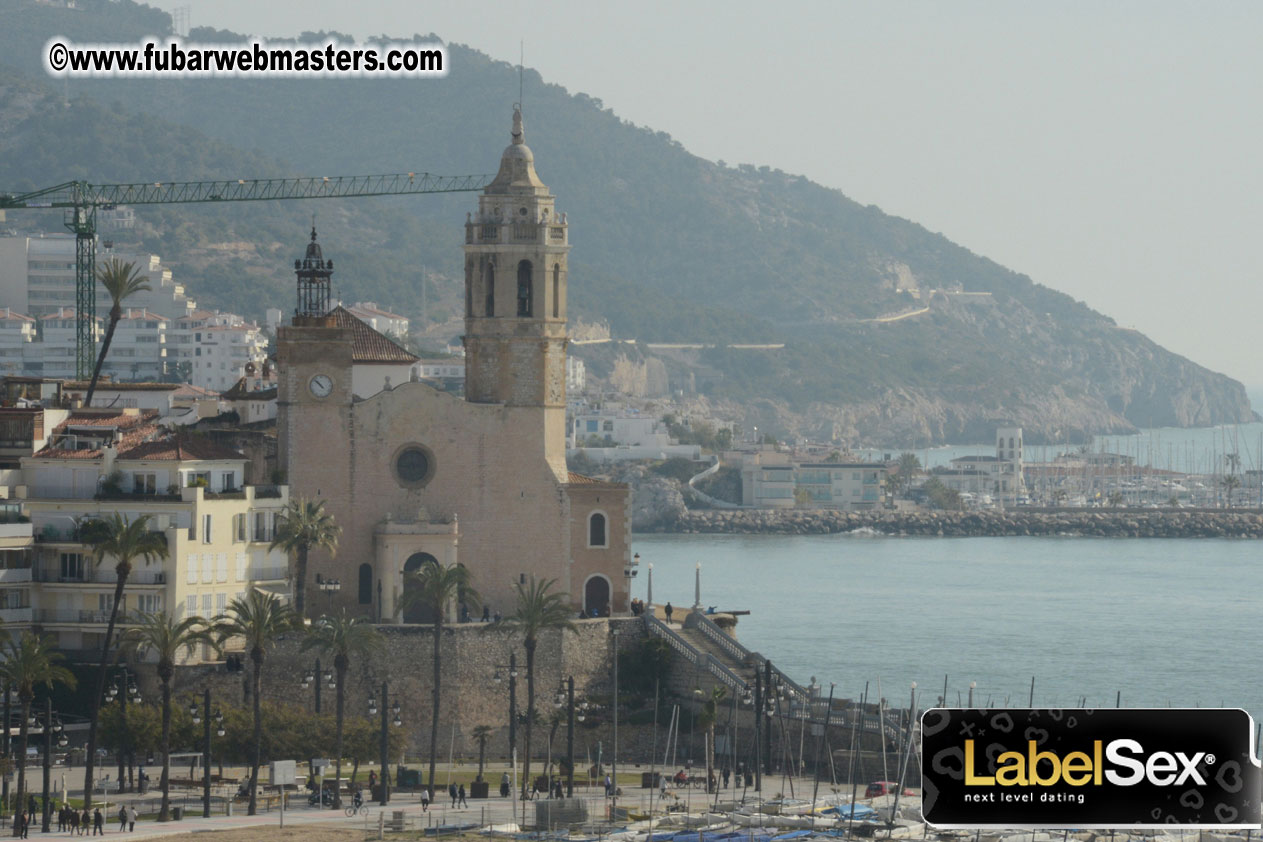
(328, 587)
(8, 745)
(52, 728)
(385, 755)
(972, 685)
(124, 689)
(565, 696)
(198, 717)
(614, 763)
(512, 668)
(316, 677)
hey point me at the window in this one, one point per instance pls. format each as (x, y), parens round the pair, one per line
(414, 466)
(206, 529)
(149, 602)
(206, 604)
(221, 602)
(596, 530)
(192, 568)
(556, 290)
(263, 526)
(607, 427)
(71, 567)
(191, 605)
(366, 584)
(145, 483)
(524, 292)
(239, 528)
(489, 282)
(105, 602)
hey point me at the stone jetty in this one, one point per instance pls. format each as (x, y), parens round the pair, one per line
(1110, 523)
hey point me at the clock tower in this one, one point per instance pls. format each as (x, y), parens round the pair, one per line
(314, 360)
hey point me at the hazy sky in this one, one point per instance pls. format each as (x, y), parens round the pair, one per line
(1108, 150)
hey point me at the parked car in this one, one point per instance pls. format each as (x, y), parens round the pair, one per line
(877, 788)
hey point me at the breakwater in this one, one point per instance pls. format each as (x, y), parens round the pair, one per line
(1109, 523)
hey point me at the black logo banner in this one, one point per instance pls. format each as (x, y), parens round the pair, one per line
(1090, 768)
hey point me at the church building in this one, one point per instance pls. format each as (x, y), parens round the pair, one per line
(417, 476)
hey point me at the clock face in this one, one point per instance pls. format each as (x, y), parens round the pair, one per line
(321, 385)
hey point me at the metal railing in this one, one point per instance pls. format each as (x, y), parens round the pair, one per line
(701, 660)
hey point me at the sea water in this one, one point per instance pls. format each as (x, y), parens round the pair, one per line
(1159, 621)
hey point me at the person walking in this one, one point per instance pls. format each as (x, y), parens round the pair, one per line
(460, 797)
(667, 610)
(372, 782)
(504, 785)
(727, 773)
(451, 790)
(98, 822)
(85, 821)
(122, 817)
(426, 795)
(131, 818)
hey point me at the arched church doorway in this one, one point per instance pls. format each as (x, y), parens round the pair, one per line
(596, 595)
(416, 613)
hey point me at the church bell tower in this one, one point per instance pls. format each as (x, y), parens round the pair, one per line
(515, 288)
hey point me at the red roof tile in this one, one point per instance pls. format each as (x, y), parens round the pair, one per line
(369, 346)
(175, 450)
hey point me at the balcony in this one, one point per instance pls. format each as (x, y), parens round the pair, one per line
(71, 615)
(100, 576)
(9, 616)
(15, 575)
(269, 574)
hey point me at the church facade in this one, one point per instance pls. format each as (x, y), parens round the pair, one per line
(416, 476)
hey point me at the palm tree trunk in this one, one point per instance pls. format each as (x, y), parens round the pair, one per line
(482, 755)
(121, 570)
(116, 313)
(339, 665)
(529, 645)
(300, 581)
(438, 672)
(21, 761)
(256, 655)
(164, 812)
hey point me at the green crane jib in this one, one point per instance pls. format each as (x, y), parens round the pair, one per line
(81, 201)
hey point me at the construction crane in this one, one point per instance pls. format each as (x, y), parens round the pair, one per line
(81, 200)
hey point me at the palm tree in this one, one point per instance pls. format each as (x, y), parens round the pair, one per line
(164, 636)
(344, 637)
(435, 587)
(537, 610)
(482, 733)
(121, 280)
(907, 468)
(706, 721)
(1230, 483)
(258, 618)
(29, 661)
(303, 526)
(125, 540)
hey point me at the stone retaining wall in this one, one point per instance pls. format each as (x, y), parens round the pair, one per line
(1119, 523)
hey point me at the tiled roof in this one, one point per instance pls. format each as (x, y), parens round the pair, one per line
(109, 419)
(143, 315)
(188, 390)
(175, 450)
(65, 313)
(109, 386)
(369, 346)
(14, 315)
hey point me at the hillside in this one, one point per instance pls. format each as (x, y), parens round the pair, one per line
(668, 247)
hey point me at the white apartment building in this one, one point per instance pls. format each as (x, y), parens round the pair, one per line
(576, 376)
(214, 350)
(54, 355)
(37, 277)
(774, 480)
(100, 462)
(382, 321)
(17, 332)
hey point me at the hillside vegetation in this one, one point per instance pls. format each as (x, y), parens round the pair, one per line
(668, 247)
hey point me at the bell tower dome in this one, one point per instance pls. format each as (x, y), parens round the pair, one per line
(515, 287)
